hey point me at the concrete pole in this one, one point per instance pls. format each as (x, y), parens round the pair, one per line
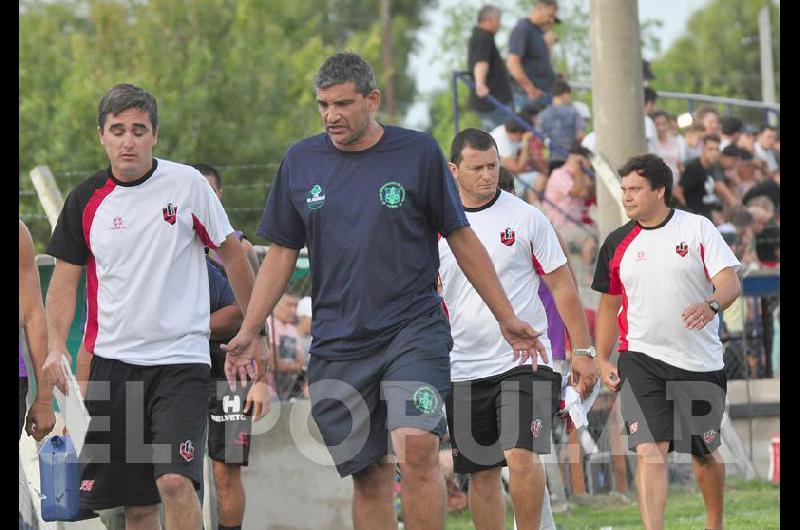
(767, 70)
(617, 94)
(49, 195)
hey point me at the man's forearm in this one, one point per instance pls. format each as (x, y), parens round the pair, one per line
(727, 287)
(35, 333)
(238, 270)
(225, 322)
(273, 276)
(570, 307)
(514, 64)
(605, 332)
(480, 72)
(479, 270)
(59, 311)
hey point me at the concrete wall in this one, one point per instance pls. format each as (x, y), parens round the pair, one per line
(756, 433)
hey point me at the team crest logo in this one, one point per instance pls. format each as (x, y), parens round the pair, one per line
(187, 450)
(710, 436)
(392, 195)
(87, 485)
(536, 427)
(243, 440)
(633, 427)
(170, 213)
(682, 249)
(455, 452)
(507, 237)
(316, 197)
(426, 400)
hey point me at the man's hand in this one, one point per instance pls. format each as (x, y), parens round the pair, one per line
(481, 90)
(40, 420)
(696, 316)
(259, 397)
(534, 93)
(524, 341)
(54, 372)
(244, 353)
(609, 374)
(584, 374)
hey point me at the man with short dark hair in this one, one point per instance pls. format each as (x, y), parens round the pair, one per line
(148, 315)
(485, 380)
(488, 69)
(371, 201)
(731, 130)
(664, 278)
(764, 145)
(561, 123)
(709, 117)
(529, 56)
(702, 185)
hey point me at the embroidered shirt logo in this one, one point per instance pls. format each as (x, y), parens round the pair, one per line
(508, 237)
(641, 256)
(682, 249)
(316, 197)
(170, 213)
(392, 195)
(118, 224)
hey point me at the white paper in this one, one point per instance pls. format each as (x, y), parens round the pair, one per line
(76, 416)
(578, 410)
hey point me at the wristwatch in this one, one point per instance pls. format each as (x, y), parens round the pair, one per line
(714, 305)
(585, 352)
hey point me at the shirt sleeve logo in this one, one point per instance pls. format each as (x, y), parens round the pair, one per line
(392, 195)
(682, 249)
(508, 237)
(170, 213)
(316, 197)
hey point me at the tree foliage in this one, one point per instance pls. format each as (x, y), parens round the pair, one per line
(233, 80)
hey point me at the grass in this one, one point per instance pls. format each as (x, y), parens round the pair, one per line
(753, 505)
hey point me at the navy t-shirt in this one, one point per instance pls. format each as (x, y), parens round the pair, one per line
(220, 295)
(527, 41)
(370, 221)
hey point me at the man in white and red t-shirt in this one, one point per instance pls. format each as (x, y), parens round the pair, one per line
(671, 273)
(140, 228)
(499, 412)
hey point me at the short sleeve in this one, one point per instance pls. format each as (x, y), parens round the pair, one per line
(602, 273)
(68, 242)
(716, 254)
(580, 123)
(692, 178)
(546, 252)
(482, 48)
(210, 220)
(517, 40)
(220, 292)
(443, 203)
(281, 223)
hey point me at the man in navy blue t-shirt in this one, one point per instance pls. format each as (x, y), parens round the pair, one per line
(370, 202)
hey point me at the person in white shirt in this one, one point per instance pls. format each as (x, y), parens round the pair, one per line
(499, 412)
(664, 278)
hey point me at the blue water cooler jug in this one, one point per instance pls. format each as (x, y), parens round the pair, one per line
(60, 476)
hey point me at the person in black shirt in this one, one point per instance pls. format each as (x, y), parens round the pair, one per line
(488, 69)
(702, 185)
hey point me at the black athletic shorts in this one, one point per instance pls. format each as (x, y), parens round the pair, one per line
(661, 402)
(356, 403)
(23, 407)
(228, 425)
(490, 415)
(147, 421)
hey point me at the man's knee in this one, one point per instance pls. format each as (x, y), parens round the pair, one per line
(174, 486)
(485, 481)
(652, 452)
(376, 480)
(137, 514)
(522, 461)
(226, 475)
(708, 461)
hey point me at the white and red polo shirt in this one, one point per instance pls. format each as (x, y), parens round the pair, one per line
(659, 271)
(143, 247)
(523, 246)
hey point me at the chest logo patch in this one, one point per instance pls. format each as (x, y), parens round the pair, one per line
(508, 237)
(682, 249)
(316, 197)
(170, 213)
(392, 195)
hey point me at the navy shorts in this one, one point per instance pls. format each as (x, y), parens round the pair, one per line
(356, 403)
(493, 414)
(147, 421)
(661, 403)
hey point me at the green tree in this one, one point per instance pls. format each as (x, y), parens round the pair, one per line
(233, 79)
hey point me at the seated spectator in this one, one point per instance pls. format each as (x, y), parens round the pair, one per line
(748, 172)
(769, 187)
(702, 185)
(694, 142)
(564, 202)
(731, 130)
(287, 355)
(666, 145)
(764, 147)
(728, 161)
(516, 148)
(709, 117)
(561, 124)
(747, 139)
